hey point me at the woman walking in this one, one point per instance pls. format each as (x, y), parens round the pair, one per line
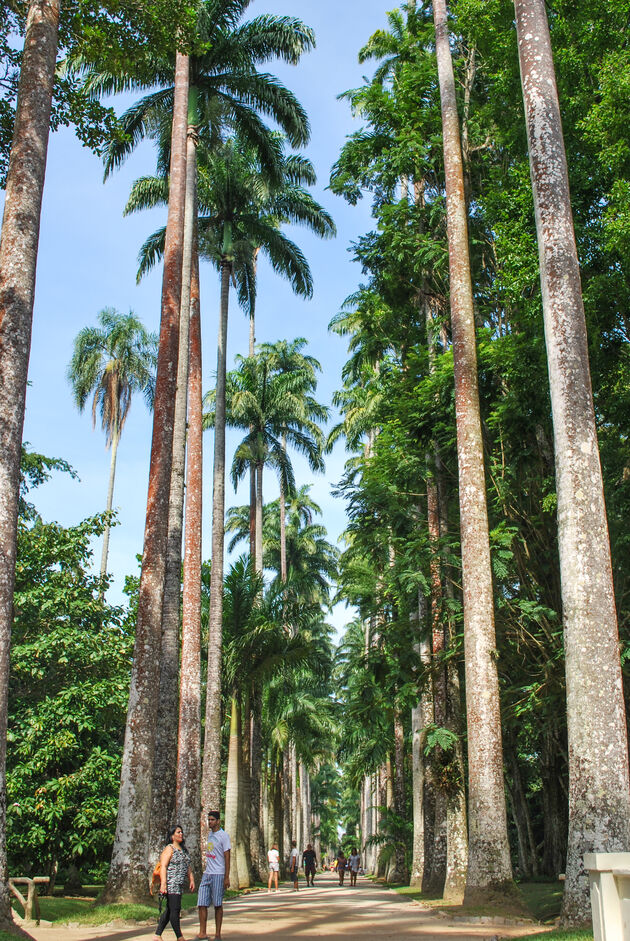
(174, 871)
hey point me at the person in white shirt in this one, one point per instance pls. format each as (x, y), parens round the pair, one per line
(294, 865)
(216, 878)
(353, 865)
(273, 858)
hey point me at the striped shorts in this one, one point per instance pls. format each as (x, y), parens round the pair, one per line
(211, 890)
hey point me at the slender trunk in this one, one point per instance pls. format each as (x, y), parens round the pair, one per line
(188, 804)
(232, 787)
(128, 872)
(295, 833)
(211, 775)
(456, 817)
(108, 507)
(18, 260)
(164, 768)
(489, 859)
(245, 798)
(528, 858)
(286, 805)
(256, 812)
(421, 717)
(400, 873)
(258, 558)
(283, 525)
(252, 510)
(599, 785)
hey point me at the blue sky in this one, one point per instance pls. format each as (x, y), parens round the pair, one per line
(88, 260)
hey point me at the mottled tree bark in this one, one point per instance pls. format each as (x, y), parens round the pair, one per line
(599, 785)
(164, 768)
(211, 774)
(128, 875)
(489, 863)
(188, 802)
(18, 261)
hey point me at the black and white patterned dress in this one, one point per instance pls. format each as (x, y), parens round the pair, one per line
(177, 871)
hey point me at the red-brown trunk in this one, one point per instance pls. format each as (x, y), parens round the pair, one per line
(128, 872)
(18, 262)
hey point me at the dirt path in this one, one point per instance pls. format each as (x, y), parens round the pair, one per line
(327, 910)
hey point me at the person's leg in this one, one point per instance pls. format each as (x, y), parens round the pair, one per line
(163, 921)
(218, 920)
(203, 920)
(175, 906)
(269, 882)
(275, 879)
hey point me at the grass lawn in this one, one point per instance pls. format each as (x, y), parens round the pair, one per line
(541, 901)
(561, 935)
(87, 911)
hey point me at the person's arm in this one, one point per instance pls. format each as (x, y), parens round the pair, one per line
(226, 878)
(165, 859)
(191, 879)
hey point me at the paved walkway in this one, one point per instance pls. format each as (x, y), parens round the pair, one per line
(327, 910)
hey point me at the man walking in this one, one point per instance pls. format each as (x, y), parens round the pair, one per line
(309, 861)
(216, 877)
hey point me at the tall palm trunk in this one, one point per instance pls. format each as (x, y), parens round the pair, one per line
(283, 524)
(108, 506)
(599, 789)
(128, 871)
(257, 809)
(489, 860)
(245, 797)
(18, 260)
(164, 768)
(421, 718)
(232, 784)
(188, 804)
(456, 817)
(258, 557)
(211, 775)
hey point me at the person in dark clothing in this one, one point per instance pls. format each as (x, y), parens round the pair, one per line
(309, 861)
(174, 872)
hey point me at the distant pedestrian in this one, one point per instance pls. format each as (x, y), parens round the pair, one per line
(273, 860)
(354, 864)
(294, 865)
(175, 872)
(341, 865)
(309, 861)
(216, 878)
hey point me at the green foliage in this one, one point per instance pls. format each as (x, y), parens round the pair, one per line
(70, 665)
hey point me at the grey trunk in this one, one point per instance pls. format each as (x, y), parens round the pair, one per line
(188, 804)
(489, 863)
(108, 507)
(211, 775)
(599, 787)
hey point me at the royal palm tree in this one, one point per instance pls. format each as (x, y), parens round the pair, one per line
(489, 865)
(599, 789)
(110, 362)
(18, 260)
(274, 410)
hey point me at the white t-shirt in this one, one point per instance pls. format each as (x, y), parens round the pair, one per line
(273, 858)
(355, 862)
(216, 848)
(293, 858)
